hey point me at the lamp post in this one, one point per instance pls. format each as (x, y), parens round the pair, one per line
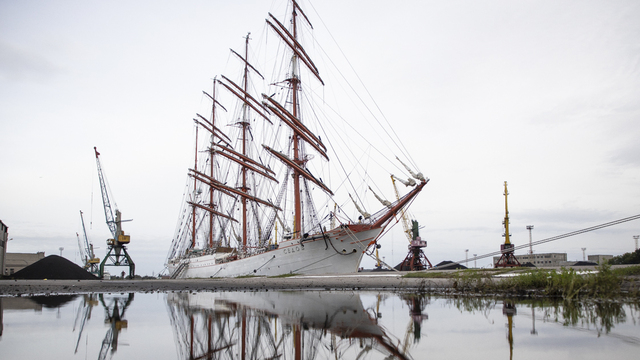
(530, 227)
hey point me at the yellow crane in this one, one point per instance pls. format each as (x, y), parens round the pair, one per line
(91, 262)
(117, 254)
(507, 259)
(403, 215)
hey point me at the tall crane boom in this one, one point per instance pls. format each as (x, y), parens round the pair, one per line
(88, 246)
(108, 213)
(416, 259)
(117, 254)
(403, 217)
(90, 261)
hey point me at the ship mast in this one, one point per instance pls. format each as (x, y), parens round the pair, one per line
(211, 162)
(242, 156)
(195, 192)
(297, 221)
(301, 134)
(245, 124)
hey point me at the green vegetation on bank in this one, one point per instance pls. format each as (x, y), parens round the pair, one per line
(284, 275)
(257, 276)
(566, 283)
(626, 258)
(627, 271)
(453, 273)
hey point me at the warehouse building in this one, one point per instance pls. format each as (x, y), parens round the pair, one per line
(539, 260)
(4, 238)
(599, 259)
(15, 262)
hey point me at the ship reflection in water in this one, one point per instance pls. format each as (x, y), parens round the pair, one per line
(287, 325)
(313, 325)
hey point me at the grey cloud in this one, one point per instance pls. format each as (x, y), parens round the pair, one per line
(19, 64)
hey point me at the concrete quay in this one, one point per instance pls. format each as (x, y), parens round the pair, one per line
(360, 281)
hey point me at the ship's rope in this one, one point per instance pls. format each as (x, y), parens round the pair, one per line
(382, 262)
(261, 266)
(315, 262)
(351, 236)
(336, 250)
(389, 129)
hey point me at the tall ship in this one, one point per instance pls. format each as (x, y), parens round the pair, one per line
(263, 196)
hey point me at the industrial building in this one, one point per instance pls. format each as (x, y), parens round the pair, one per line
(599, 259)
(15, 262)
(4, 238)
(539, 260)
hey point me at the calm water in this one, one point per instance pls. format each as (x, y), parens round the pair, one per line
(313, 325)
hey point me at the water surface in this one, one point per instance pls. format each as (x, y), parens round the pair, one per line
(313, 325)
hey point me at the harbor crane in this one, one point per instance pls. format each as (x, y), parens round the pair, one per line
(89, 260)
(415, 259)
(507, 259)
(117, 254)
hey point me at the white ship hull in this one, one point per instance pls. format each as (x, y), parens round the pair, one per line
(340, 251)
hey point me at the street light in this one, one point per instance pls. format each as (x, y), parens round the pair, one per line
(530, 227)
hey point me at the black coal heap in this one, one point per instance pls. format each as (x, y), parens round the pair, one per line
(54, 267)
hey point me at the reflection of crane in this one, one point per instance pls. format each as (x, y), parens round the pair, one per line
(509, 310)
(114, 315)
(415, 259)
(89, 302)
(117, 251)
(89, 260)
(417, 303)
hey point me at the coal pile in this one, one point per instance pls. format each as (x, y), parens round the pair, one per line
(54, 267)
(53, 302)
(449, 265)
(585, 263)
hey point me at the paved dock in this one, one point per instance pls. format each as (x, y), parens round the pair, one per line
(380, 281)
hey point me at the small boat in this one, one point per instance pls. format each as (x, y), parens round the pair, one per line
(250, 207)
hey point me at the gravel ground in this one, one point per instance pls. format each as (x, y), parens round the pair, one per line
(389, 282)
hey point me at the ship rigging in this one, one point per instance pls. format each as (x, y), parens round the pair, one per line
(264, 163)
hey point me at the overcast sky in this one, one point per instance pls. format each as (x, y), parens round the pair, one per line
(542, 94)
